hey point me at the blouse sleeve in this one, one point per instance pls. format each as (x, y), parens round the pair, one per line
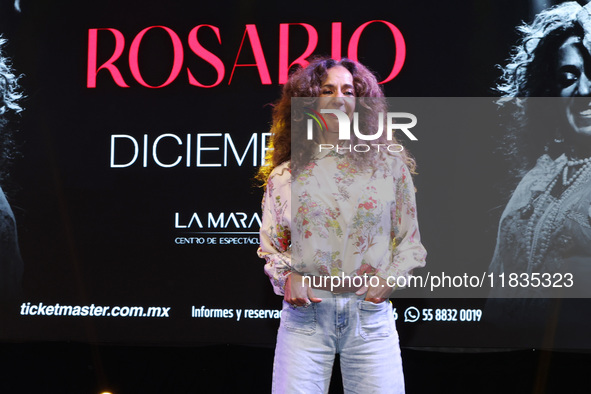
(406, 248)
(275, 234)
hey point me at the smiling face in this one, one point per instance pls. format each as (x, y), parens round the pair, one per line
(337, 92)
(573, 73)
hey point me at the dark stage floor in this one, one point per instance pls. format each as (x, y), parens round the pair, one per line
(81, 368)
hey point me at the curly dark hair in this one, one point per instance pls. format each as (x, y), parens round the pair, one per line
(306, 82)
(10, 95)
(531, 72)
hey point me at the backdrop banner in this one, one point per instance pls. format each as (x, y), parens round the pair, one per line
(131, 134)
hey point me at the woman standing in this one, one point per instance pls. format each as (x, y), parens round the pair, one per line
(336, 213)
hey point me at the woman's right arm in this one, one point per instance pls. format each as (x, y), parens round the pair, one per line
(275, 234)
(276, 241)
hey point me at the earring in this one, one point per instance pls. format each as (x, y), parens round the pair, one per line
(558, 136)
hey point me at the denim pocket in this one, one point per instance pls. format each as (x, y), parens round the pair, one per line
(299, 320)
(375, 320)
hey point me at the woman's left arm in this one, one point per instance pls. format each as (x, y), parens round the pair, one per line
(408, 252)
(406, 249)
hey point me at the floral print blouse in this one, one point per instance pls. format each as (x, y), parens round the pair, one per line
(336, 218)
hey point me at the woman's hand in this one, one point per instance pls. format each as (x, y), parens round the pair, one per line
(297, 292)
(376, 294)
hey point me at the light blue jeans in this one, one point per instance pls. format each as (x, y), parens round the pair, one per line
(363, 333)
